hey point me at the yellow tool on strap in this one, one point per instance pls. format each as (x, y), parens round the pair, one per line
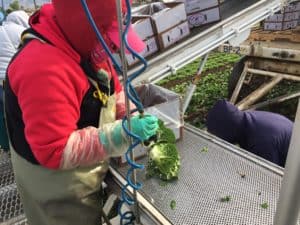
(100, 95)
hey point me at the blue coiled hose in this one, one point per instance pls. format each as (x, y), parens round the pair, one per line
(127, 217)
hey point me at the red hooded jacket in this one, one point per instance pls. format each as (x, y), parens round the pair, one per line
(50, 85)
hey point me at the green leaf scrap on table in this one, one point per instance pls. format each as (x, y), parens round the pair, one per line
(226, 198)
(173, 204)
(264, 205)
(204, 149)
(163, 183)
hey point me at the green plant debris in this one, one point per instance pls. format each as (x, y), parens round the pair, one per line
(163, 183)
(173, 204)
(264, 205)
(204, 149)
(226, 198)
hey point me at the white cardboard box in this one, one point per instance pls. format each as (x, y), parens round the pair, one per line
(280, 17)
(170, 17)
(287, 17)
(291, 16)
(277, 17)
(173, 35)
(143, 27)
(292, 7)
(169, 24)
(204, 17)
(198, 5)
(151, 48)
(173, 14)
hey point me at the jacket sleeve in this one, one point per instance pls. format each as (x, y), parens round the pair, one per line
(90, 145)
(49, 93)
(83, 148)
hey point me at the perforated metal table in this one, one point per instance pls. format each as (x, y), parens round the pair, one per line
(206, 177)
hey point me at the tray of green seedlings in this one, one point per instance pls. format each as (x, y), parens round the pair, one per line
(216, 61)
(211, 87)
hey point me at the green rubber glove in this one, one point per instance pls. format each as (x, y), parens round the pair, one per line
(144, 126)
(116, 141)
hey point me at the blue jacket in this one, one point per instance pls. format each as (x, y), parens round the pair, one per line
(265, 134)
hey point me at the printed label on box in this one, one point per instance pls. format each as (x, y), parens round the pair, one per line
(290, 24)
(173, 35)
(272, 26)
(203, 17)
(281, 26)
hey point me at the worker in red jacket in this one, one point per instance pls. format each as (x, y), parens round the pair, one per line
(263, 133)
(63, 108)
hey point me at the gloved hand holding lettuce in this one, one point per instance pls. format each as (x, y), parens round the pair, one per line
(116, 141)
(90, 145)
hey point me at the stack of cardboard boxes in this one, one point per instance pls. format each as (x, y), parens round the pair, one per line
(145, 31)
(161, 29)
(171, 24)
(287, 19)
(162, 25)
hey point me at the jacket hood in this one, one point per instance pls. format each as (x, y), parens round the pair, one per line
(72, 18)
(44, 22)
(18, 17)
(225, 121)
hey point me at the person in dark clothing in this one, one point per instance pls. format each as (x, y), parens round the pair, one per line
(263, 133)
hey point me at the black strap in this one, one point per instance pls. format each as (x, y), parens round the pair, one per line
(33, 32)
(89, 71)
